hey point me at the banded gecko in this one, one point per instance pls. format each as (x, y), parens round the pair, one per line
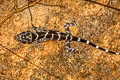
(40, 35)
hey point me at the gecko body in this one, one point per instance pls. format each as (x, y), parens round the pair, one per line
(40, 35)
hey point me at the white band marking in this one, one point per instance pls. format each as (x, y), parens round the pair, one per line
(117, 53)
(46, 34)
(78, 39)
(87, 42)
(59, 35)
(36, 36)
(67, 36)
(71, 37)
(52, 37)
(106, 50)
(97, 47)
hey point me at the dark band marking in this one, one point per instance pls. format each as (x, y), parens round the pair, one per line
(93, 45)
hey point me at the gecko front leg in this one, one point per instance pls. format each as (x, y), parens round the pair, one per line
(36, 29)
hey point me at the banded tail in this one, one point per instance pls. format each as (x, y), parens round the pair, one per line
(90, 43)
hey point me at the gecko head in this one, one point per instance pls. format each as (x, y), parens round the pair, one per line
(26, 37)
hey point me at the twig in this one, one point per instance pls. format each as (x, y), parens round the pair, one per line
(57, 77)
(103, 5)
(21, 9)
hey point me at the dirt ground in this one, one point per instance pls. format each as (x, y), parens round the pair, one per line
(96, 23)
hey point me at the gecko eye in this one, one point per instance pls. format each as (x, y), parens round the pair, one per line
(24, 37)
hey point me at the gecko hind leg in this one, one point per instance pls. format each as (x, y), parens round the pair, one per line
(68, 47)
(67, 25)
(69, 37)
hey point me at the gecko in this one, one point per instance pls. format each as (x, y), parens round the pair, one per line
(38, 34)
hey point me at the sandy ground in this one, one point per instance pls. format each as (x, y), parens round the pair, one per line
(95, 23)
